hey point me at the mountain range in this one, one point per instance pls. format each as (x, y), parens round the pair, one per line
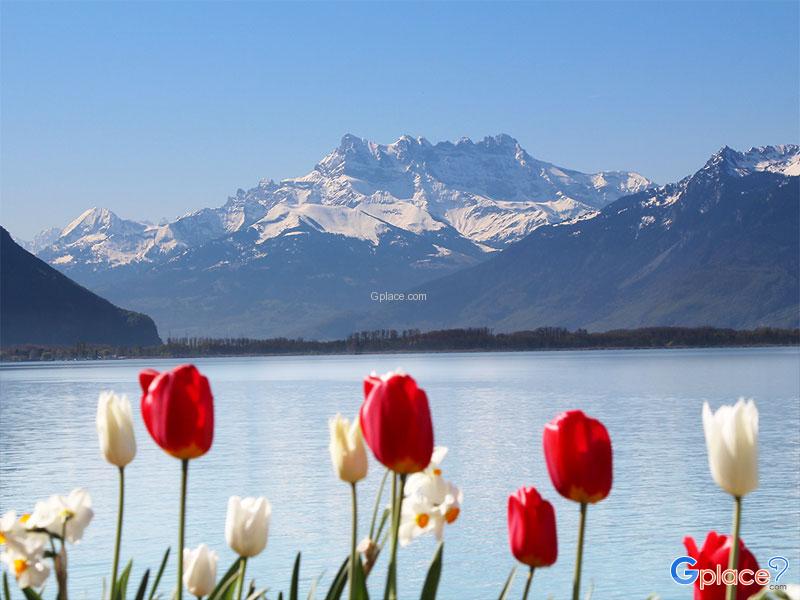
(290, 258)
(721, 247)
(42, 306)
(492, 236)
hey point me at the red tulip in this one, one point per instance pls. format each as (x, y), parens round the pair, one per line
(578, 454)
(178, 410)
(396, 422)
(716, 552)
(532, 528)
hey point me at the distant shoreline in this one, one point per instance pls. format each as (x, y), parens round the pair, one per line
(415, 342)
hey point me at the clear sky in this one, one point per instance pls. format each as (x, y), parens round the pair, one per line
(153, 110)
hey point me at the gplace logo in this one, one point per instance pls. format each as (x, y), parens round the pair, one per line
(683, 572)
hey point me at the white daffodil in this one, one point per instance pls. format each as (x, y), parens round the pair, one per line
(199, 570)
(732, 441)
(417, 516)
(115, 429)
(12, 529)
(430, 502)
(63, 515)
(451, 507)
(23, 559)
(348, 453)
(247, 525)
(429, 482)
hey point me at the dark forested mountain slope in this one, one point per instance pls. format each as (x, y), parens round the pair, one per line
(39, 305)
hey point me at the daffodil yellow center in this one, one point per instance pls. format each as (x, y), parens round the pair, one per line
(437, 471)
(422, 519)
(66, 514)
(20, 566)
(24, 518)
(452, 514)
(2, 539)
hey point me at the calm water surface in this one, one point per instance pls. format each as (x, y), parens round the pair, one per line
(489, 409)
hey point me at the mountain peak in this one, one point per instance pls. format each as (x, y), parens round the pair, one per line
(781, 158)
(93, 218)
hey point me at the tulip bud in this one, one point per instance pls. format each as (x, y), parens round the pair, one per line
(532, 528)
(178, 410)
(247, 525)
(732, 442)
(199, 570)
(396, 421)
(115, 429)
(577, 450)
(348, 454)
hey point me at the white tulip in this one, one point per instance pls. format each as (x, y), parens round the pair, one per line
(348, 454)
(732, 442)
(199, 570)
(115, 429)
(24, 560)
(68, 515)
(247, 525)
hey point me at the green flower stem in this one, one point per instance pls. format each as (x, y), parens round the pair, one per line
(378, 497)
(182, 525)
(121, 501)
(733, 561)
(242, 569)
(397, 502)
(528, 584)
(353, 542)
(576, 580)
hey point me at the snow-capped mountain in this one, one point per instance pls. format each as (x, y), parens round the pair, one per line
(717, 248)
(302, 257)
(490, 193)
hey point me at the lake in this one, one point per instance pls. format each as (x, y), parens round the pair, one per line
(271, 439)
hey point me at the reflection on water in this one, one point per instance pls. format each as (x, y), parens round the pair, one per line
(271, 439)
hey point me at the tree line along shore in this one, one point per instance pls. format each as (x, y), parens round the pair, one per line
(412, 340)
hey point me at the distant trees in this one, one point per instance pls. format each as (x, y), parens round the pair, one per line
(414, 340)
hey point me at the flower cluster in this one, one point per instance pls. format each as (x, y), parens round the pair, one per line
(394, 422)
(732, 443)
(30, 539)
(577, 451)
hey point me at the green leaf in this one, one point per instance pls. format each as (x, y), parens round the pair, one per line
(280, 595)
(143, 585)
(360, 582)
(225, 587)
(507, 586)
(158, 576)
(338, 583)
(6, 591)
(384, 520)
(434, 573)
(121, 588)
(293, 592)
(31, 594)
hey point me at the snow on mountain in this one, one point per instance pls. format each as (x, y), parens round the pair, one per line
(491, 192)
(783, 159)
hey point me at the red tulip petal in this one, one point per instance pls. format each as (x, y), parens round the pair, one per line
(146, 376)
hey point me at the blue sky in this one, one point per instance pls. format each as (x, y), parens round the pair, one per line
(153, 110)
